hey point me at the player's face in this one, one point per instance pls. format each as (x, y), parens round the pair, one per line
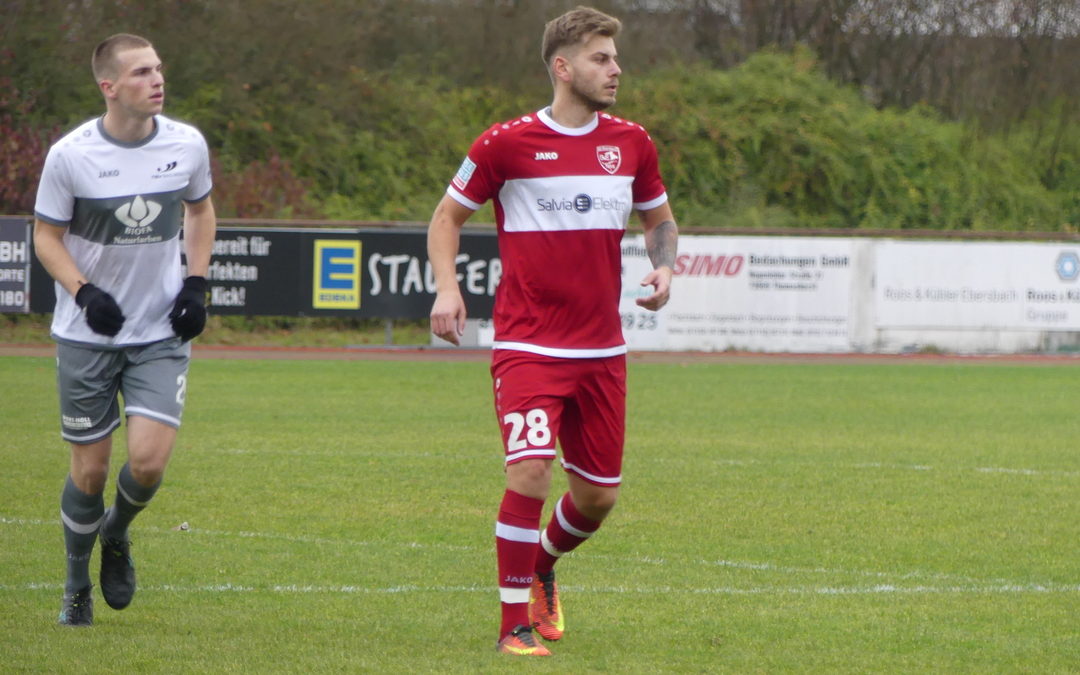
(139, 87)
(594, 69)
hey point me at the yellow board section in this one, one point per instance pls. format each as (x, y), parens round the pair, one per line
(337, 274)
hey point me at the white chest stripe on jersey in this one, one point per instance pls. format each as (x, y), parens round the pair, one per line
(563, 203)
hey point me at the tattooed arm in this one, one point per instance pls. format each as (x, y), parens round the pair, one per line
(661, 242)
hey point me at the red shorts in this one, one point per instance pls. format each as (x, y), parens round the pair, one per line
(579, 402)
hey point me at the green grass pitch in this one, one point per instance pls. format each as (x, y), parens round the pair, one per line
(774, 518)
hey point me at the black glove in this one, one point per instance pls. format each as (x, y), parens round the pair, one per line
(103, 315)
(188, 314)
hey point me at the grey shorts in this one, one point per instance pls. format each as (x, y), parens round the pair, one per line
(152, 379)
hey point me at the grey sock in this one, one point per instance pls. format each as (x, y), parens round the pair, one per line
(81, 515)
(131, 497)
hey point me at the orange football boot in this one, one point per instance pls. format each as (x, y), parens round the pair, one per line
(521, 642)
(545, 610)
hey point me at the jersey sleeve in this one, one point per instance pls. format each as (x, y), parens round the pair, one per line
(648, 187)
(55, 200)
(201, 181)
(478, 178)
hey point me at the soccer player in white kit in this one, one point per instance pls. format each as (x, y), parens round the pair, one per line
(114, 195)
(564, 181)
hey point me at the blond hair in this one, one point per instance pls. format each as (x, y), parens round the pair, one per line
(576, 27)
(104, 62)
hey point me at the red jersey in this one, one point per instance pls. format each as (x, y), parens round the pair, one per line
(562, 199)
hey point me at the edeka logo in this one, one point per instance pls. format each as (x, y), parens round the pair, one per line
(337, 274)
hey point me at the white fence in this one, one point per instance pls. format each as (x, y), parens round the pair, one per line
(812, 294)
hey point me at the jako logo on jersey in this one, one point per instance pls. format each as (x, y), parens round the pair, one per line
(610, 157)
(111, 173)
(137, 215)
(582, 203)
(546, 155)
(697, 265)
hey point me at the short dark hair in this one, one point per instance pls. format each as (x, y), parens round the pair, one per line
(104, 63)
(574, 27)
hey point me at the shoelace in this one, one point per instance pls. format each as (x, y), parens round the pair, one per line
(549, 594)
(120, 549)
(78, 603)
(524, 633)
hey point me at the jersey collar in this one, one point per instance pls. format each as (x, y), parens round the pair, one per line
(124, 144)
(545, 117)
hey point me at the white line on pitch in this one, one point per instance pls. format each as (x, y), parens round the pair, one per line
(646, 560)
(1027, 472)
(916, 574)
(257, 535)
(878, 589)
(884, 466)
(784, 569)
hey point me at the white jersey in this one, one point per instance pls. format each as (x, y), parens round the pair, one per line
(121, 203)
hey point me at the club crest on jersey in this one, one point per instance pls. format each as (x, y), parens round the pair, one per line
(610, 157)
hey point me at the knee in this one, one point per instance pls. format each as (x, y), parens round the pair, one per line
(89, 471)
(90, 478)
(530, 477)
(597, 504)
(147, 472)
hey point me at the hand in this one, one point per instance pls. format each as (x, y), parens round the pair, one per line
(103, 315)
(448, 317)
(188, 315)
(660, 280)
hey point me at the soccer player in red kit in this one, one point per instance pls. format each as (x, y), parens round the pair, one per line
(564, 181)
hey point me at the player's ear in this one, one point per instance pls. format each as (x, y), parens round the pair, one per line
(560, 68)
(106, 87)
